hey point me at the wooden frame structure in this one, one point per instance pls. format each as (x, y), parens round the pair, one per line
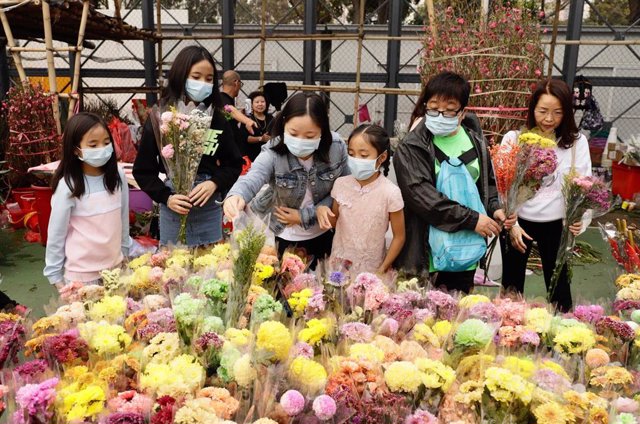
(49, 49)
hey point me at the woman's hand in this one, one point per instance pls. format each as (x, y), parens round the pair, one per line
(576, 228)
(59, 286)
(516, 235)
(288, 216)
(233, 205)
(179, 203)
(324, 215)
(202, 193)
(502, 219)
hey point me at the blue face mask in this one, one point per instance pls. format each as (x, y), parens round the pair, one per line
(441, 125)
(362, 169)
(98, 156)
(301, 147)
(197, 90)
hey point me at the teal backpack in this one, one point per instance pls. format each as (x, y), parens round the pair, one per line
(454, 252)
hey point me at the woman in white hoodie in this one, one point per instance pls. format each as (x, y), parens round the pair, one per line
(542, 218)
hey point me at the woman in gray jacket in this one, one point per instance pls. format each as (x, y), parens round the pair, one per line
(300, 165)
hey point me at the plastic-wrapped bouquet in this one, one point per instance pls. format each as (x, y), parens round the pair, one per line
(183, 132)
(581, 193)
(522, 167)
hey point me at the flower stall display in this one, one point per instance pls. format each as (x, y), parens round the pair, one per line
(155, 345)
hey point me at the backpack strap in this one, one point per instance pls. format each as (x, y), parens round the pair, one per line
(466, 157)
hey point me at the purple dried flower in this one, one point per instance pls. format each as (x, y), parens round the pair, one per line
(207, 341)
(337, 279)
(588, 313)
(31, 371)
(302, 349)
(618, 328)
(485, 311)
(125, 418)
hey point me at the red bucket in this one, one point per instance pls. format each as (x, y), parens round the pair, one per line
(24, 197)
(626, 180)
(43, 207)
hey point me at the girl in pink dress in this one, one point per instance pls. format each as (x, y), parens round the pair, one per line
(364, 203)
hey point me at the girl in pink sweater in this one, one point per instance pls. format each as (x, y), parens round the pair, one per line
(89, 224)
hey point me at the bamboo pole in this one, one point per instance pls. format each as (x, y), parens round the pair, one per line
(364, 90)
(356, 98)
(53, 86)
(11, 42)
(263, 41)
(119, 90)
(159, 59)
(14, 2)
(44, 49)
(78, 58)
(432, 19)
(554, 36)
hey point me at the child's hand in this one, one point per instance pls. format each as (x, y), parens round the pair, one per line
(381, 270)
(59, 286)
(233, 205)
(202, 193)
(179, 203)
(324, 215)
(288, 216)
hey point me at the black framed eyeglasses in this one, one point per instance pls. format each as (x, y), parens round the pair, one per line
(446, 113)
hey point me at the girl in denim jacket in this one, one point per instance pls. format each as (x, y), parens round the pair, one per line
(298, 166)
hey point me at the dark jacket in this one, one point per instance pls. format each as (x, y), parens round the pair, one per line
(252, 150)
(414, 164)
(224, 165)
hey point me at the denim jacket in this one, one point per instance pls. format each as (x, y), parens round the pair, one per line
(288, 180)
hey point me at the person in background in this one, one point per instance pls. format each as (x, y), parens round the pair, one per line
(89, 223)
(299, 166)
(192, 78)
(364, 203)
(541, 218)
(252, 143)
(231, 86)
(441, 107)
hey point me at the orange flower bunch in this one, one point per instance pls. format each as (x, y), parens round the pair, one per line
(505, 165)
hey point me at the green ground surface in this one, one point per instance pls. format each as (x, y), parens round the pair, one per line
(21, 266)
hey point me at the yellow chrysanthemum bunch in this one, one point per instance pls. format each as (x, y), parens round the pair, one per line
(109, 308)
(572, 340)
(610, 375)
(532, 138)
(472, 299)
(307, 375)
(315, 331)
(367, 352)
(299, 301)
(403, 376)
(274, 338)
(104, 338)
(180, 377)
(505, 386)
(261, 272)
(435, 374)
(553, 413)
(523, 367)
(627, 280)
(237, 337)
(538, 320)
(139, 261)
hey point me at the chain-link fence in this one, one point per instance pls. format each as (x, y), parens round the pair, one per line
(350, 61)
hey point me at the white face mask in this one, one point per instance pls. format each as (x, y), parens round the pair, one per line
(441, 125)
(98, 156)
(196, 90)
(362, 169)
(301, 147)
